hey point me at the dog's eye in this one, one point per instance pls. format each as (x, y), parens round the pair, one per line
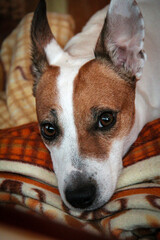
(106, 120)
(49, 131)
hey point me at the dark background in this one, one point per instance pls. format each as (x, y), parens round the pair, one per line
(12, 11)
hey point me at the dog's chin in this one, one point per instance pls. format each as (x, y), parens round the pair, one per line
(95, 207)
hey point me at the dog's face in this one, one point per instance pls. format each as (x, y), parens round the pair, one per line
(84, 119)
(86, 111)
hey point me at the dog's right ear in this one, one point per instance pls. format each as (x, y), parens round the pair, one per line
(121, 40)
(43, 42)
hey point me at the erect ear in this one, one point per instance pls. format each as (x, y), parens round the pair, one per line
(44, 45)
(122, 38)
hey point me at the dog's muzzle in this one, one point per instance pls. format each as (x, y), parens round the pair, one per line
(80, 192)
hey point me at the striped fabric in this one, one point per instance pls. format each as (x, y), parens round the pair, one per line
(146, 145)
(27, 180)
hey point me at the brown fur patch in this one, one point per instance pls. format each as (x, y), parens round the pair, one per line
(46, 93)
(98, 86)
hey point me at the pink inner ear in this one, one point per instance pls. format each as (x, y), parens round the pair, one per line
(125, 35)
(121, 56)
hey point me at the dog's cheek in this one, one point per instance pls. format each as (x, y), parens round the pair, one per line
(126, 116)
(127, 121)
(106, 172)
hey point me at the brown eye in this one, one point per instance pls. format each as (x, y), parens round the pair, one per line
(48, 131)
(106, 120)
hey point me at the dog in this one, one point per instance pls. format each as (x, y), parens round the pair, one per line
(94, 96)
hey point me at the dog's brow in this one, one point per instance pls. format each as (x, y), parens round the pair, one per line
(98, 110)
(53, 113)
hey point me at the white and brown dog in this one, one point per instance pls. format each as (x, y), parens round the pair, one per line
(92, 97)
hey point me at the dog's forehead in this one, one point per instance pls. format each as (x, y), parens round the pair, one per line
(83, 84)
(55, 88)
(77, 85)
(98, 85)
(69, 69)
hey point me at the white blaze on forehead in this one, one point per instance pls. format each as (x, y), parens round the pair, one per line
(65, 94)
(69, 68)
(67, 152)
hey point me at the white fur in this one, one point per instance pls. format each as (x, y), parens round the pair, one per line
(53, 46)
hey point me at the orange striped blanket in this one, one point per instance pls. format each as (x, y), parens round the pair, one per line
(27, 180)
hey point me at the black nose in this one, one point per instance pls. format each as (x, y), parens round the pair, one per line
(82, 196)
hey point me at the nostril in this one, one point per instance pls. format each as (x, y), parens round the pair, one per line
(82, 196)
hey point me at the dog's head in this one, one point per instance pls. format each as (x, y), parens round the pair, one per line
(85, 106)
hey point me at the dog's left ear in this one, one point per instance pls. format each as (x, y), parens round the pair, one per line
(44, 46)
(122, 37)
